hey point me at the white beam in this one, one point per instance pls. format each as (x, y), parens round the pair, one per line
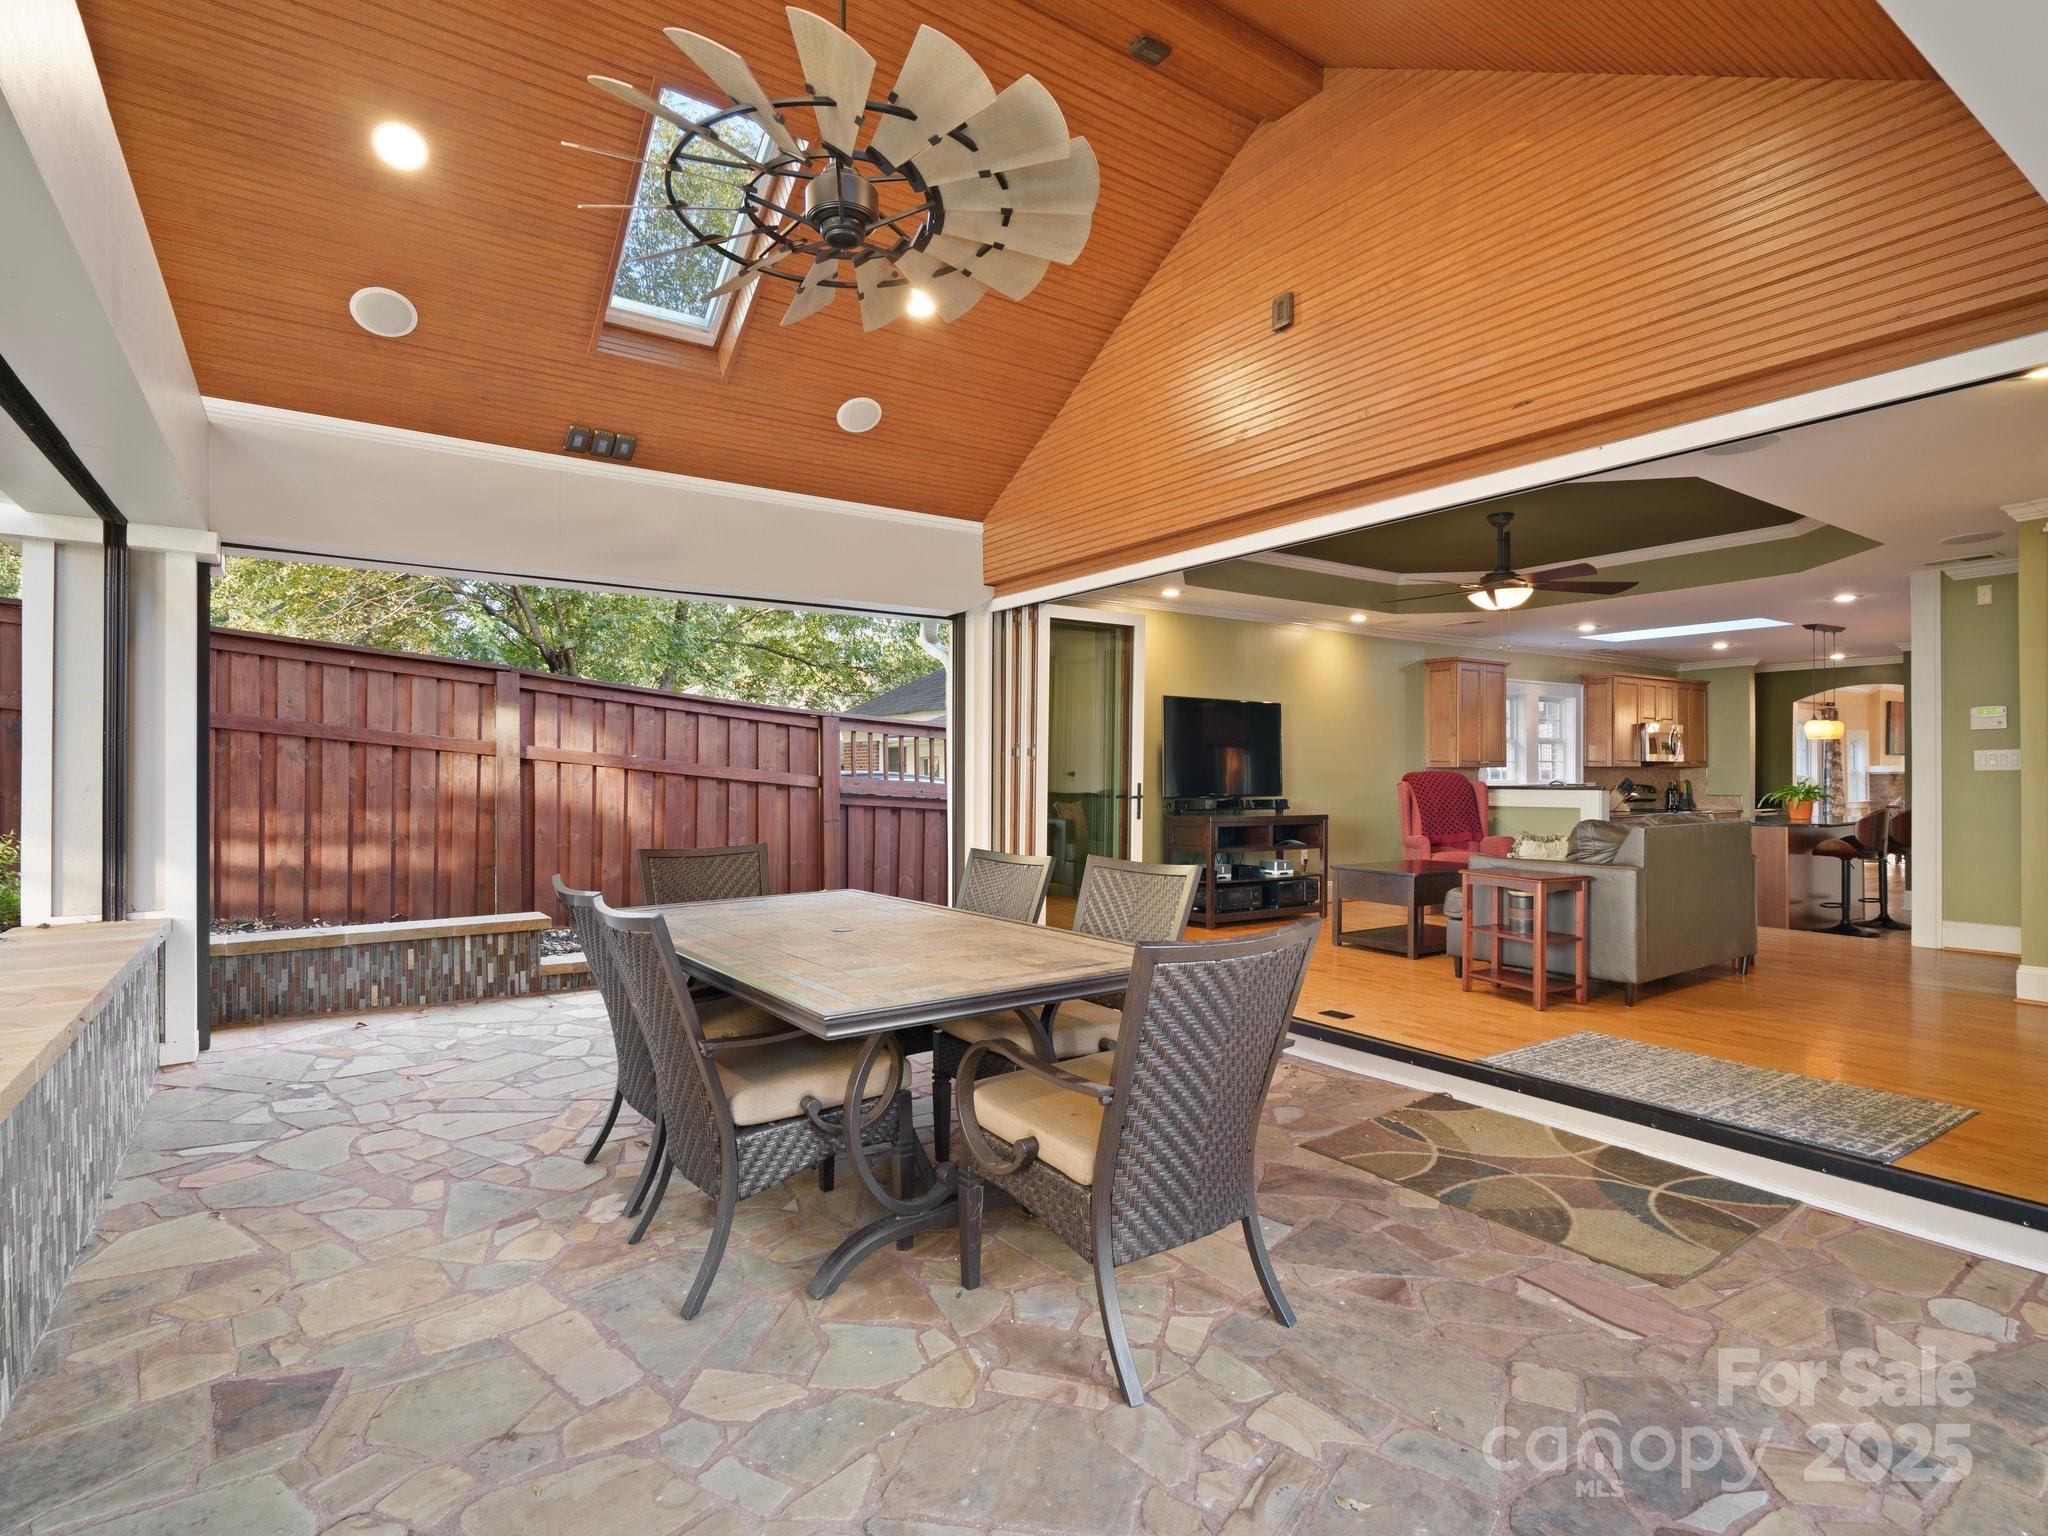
(1924, 722)
(1990, 53)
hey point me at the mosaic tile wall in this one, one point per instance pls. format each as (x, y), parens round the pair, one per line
(60, 1152)
(403, 973)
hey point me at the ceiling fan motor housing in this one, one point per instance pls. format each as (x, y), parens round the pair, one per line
(839, 203)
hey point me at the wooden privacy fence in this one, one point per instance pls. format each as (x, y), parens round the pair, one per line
(352, 785)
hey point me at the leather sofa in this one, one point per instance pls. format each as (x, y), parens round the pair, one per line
(1678, 896)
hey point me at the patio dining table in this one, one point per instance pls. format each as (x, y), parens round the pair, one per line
(854, 964)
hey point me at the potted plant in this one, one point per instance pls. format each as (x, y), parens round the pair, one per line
(1797, 798)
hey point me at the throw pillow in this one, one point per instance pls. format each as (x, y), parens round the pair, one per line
(1597, 842)
(1528, 847)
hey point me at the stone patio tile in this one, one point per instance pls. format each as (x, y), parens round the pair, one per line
(576, 1355)
(949, 1384)
(202, 1238)
(254, 1412)
(1897, 1262)
(803, 1446)
(43, 1474)
(370, 1295)
(865, 1355)
(457, 1409)
(486, 1317)
(637, 1413)
(737, 1396)
(1019, 1463)
(262, 1504)
(622, 1495)
(840, 1496)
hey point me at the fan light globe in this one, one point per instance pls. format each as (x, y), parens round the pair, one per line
(1821, 729)
(1503, 597)
(399, 146)
(922, 306)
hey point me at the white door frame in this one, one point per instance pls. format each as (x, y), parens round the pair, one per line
(1041, 757)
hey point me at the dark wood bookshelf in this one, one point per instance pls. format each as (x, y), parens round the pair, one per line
(1247, 837)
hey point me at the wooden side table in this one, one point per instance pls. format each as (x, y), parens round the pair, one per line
(1414, 885)
(1539, 935)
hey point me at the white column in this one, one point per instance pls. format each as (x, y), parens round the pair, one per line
(61, 724)
(1924, 721)
(973, 733)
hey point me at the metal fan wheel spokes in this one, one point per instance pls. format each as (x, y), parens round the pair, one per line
(870, 214)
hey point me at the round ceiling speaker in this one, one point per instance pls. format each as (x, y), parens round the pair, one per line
(860, 414)
(1985, 536)
(383, 311)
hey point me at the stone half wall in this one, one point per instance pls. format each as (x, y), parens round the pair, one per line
(60, 1152)
(311, 972)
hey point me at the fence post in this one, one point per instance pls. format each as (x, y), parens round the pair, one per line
(510, 886)
(831, 839)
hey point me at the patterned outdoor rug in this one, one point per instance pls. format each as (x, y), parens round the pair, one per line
(1864, 1122)
(1641, 1214)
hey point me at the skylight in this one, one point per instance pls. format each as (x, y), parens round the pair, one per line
(657, 287)
(1673, 631)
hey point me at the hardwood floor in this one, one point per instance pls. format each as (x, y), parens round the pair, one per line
(1877, 1013)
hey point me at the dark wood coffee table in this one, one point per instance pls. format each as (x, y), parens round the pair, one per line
(1415, 885)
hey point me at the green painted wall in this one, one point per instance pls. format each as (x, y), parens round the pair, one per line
(1980, 664)
(2033, 776)
(1731, 731)
(1777, 692)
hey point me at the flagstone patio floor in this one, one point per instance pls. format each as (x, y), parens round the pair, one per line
(357, 1279)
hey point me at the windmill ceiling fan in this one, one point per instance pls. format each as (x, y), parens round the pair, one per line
(1504, 587)
(995, 188)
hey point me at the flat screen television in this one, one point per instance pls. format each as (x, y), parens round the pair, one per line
(1221, 747)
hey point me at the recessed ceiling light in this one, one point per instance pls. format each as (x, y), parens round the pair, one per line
(1677, 631)
(1845, 597)
(860, 414)
(2036, 373)
(1720, 645)
(1169, 591)
(383, 311)
(1838, 655)
(1358, 618)
(399, 146)
(922, 305)
(1587, 629)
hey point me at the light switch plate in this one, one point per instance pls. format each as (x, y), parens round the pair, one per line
(1998, 760)
(1984, 595)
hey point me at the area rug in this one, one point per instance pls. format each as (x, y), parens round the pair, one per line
(1864, 1122)
(1641, 1214)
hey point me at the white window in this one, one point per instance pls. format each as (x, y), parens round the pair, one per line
(657, 287)
(1544, 740)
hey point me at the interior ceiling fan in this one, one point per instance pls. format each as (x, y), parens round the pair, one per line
(1504, 587)
(994, 186)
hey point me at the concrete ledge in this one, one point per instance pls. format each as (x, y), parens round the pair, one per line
(565, 965)
(278, 940)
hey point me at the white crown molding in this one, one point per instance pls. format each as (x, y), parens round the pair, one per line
(2027, 511)
(239, 412)
(1686, 547)
(1722, 661)
(1976, 568)
(1846, 661)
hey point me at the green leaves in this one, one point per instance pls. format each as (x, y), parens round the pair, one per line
(724, 650)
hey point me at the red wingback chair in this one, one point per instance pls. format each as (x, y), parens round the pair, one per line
(1443, 816)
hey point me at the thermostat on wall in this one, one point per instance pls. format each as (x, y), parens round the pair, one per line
(1987, 717)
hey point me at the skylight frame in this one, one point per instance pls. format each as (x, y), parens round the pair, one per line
(1680, 631)
(642, 316)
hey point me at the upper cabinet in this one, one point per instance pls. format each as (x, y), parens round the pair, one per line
(1617, 703)
(1465, 712)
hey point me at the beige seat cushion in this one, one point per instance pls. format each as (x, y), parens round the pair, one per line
(728, 1018)
(1078, 1029)
(772, 1081)
(1067, 1124)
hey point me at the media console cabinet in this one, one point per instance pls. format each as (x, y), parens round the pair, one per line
(1246, 838)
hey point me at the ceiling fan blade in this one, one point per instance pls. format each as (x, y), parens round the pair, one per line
(1054, 236)
(954, 293)
(1423, 597)
(1564, 572)
(884, 295)
(634, 97)
(1010, 273)
(836, 66)
(941, 84)
(1596, 588)
(728, 71)
(1023, 126)
(1071, 185)
(745, 275)
(811, 294)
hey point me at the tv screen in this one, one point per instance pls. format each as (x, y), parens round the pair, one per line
(1221, 747)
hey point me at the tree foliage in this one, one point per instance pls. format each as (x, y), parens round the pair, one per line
(10, 571)
(724, 650)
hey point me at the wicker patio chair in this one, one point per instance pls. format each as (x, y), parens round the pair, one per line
(1132, 1151)
(740, 1114)
(1008, 885)
(725, 1018)
(670, 876)
(1133, 903)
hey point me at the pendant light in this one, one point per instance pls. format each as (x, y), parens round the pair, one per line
(1826, 724)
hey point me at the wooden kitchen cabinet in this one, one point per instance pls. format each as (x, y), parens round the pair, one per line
(1465, 712)
(1616, 703)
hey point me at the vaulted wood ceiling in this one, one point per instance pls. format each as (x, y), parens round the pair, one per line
(246, 124)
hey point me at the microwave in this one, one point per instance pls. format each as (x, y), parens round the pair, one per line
(1659, 741)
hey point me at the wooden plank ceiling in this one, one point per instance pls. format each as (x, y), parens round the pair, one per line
(1787, 39)
(1490, 268)
(246, 127)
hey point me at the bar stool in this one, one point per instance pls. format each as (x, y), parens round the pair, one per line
(1878, 835)
(1848, 851)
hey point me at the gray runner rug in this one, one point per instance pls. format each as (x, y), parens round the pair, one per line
(1864, 1122)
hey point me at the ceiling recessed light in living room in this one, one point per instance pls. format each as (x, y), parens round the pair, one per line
(2036, 373)
(1169, 591)
(399, 145)
(1720, 645)
(1587, 629)
(1845, 597)
(383, 311)
(1358, 618)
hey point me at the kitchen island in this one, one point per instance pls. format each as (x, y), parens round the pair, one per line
(1791, 882)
